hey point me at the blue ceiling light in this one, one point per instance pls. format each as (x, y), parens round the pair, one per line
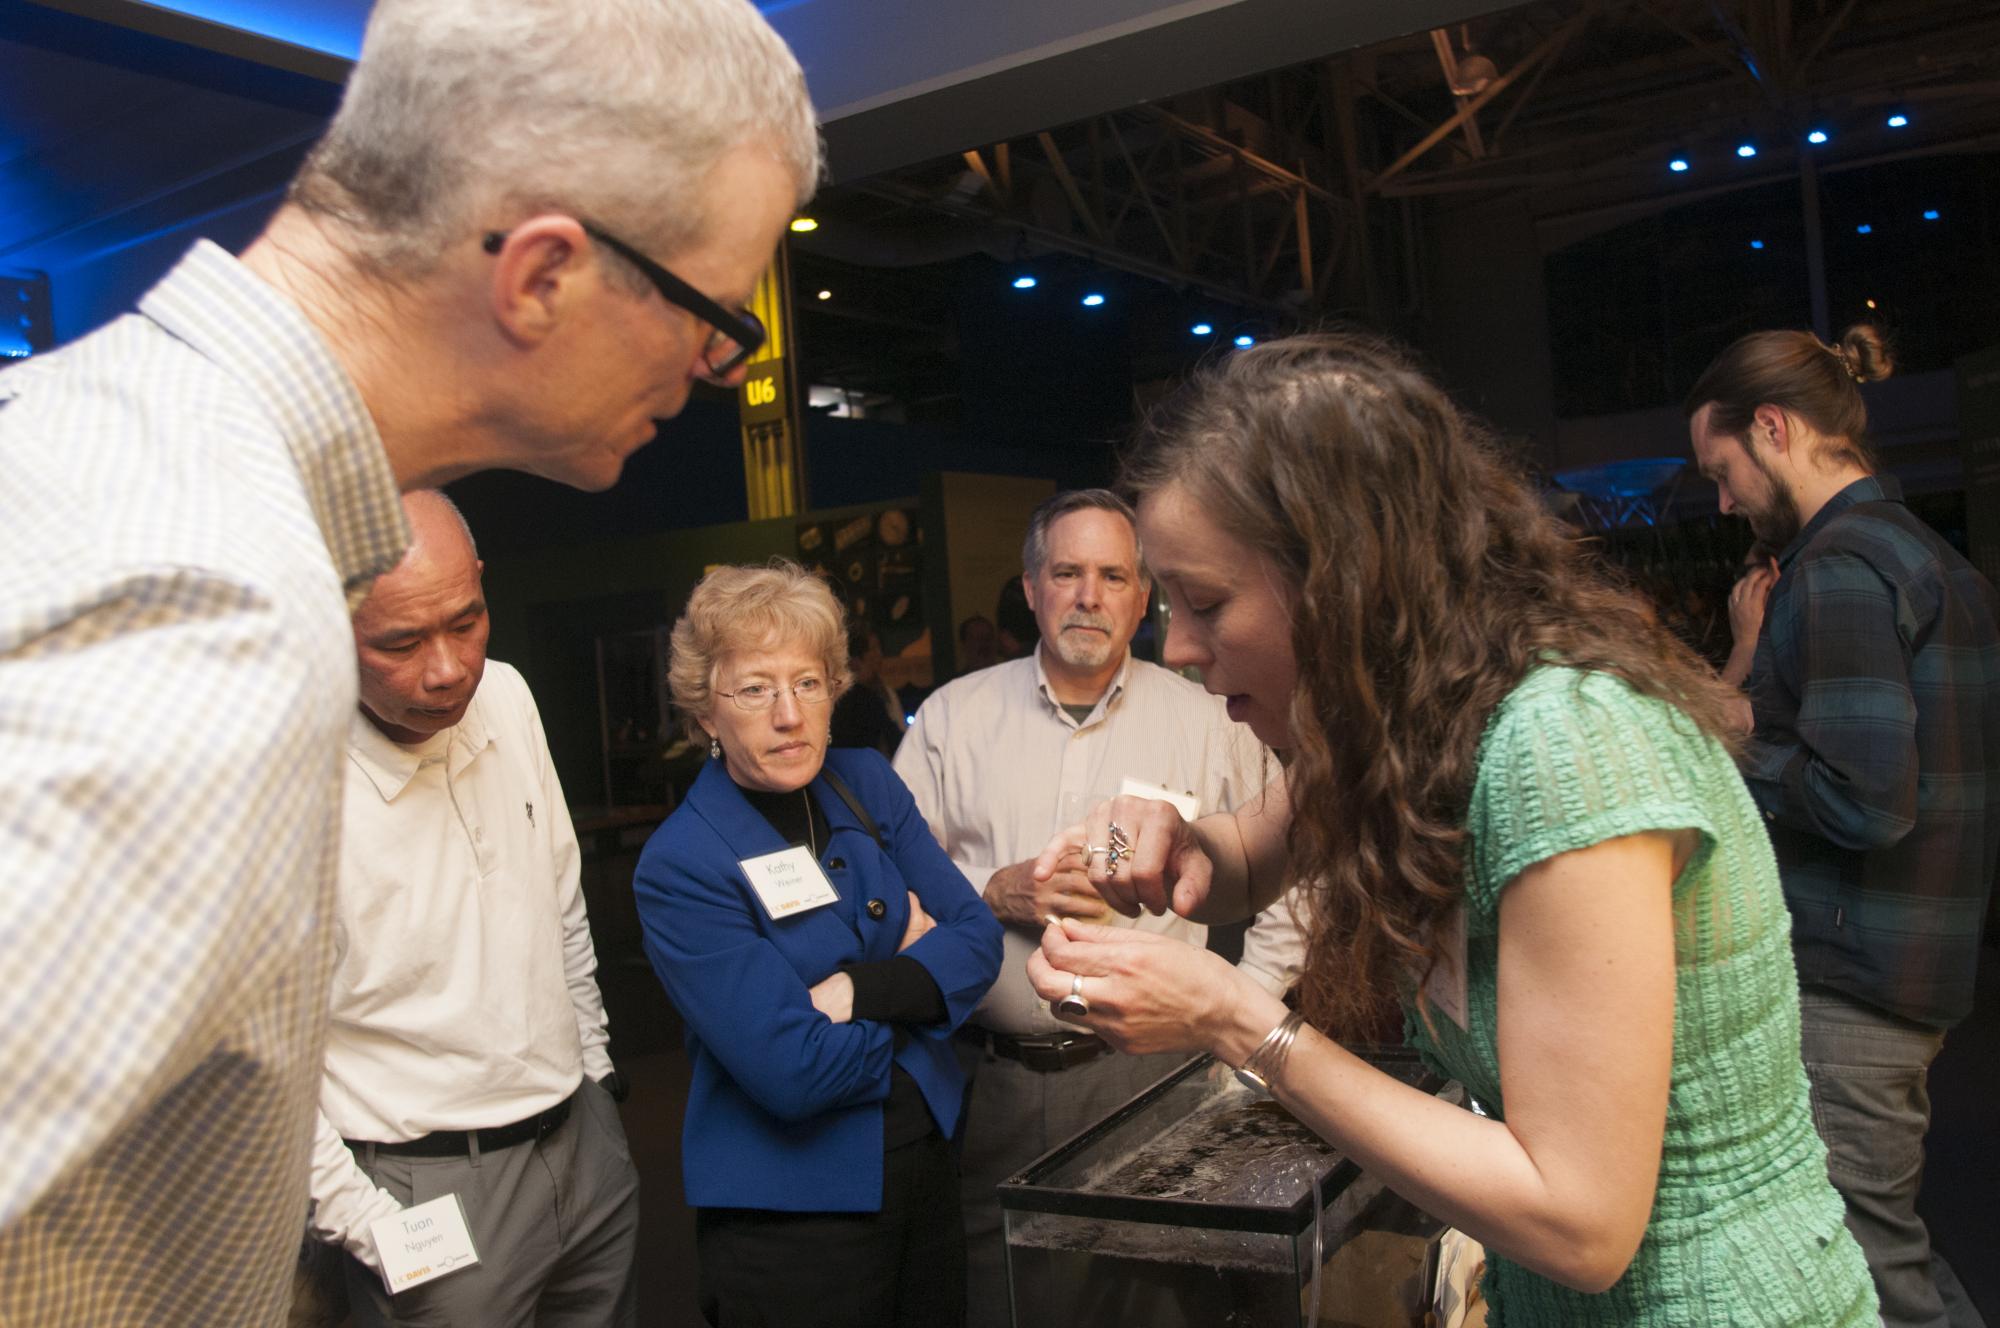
(1092, 300)
(1746, 150)
(1202, 329)
(1816, 137)
(1756, 244)
(1898, 120)
(1930, 214)
(1678, 165)
(1024, 283)
(1246, 340)
(1864, 229)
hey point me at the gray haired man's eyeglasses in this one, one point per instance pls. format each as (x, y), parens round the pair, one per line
(735, 336)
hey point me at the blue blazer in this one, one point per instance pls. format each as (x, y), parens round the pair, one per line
(785, 1108)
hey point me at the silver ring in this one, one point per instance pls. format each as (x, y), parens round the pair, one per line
(1121, 848)
(1072, 1006)
(1089, 849)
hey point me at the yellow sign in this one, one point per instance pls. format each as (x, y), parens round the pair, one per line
(762, 396)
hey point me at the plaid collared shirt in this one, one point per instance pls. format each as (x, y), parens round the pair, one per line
(1876, 756)
(189, 500)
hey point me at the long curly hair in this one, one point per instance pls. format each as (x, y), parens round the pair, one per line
(1426, 579)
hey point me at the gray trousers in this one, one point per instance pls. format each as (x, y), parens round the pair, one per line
(1013, 1116)
(555, 1222)
(1871, 1104)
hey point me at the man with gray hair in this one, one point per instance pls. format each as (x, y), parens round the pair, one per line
(1001, 759)
(530, 226)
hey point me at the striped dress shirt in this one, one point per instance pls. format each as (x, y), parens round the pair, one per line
(1876, 755)
(191, 500)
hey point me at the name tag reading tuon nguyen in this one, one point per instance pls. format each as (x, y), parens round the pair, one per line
(422, 1243)
(788, 882)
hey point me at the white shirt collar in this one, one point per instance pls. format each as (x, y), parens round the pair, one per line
(1110, 693)
(390, 765)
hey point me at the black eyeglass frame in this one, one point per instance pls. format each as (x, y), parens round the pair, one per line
(741, 329)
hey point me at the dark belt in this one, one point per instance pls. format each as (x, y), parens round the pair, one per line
(456, 1143)
(1043, 1052)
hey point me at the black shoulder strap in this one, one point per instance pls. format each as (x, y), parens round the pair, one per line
(839, 786)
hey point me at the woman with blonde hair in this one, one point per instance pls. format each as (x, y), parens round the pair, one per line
(821, 948)
(1512, 803)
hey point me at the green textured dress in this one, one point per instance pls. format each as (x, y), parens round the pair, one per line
(1745, 1227)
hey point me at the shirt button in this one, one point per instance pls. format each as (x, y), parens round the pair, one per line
(877, 909)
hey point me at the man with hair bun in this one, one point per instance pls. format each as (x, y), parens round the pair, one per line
(530, 226)
(1875, 756)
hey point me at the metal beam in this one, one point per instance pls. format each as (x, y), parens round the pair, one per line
(1472, 108)
(1068, 183)
(1145, 194)
(1825, 34)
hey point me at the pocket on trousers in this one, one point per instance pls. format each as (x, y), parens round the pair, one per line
(1871, 1118)
(597, 1098)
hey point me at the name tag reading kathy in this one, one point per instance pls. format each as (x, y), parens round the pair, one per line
(1187, 804)
(788, 882)
(423, 1243)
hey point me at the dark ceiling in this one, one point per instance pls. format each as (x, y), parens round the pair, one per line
(1296, 195)
(1239, 164)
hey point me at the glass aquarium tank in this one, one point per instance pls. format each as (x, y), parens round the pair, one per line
(1200, 1204)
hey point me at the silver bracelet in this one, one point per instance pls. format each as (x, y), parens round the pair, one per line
(1263, 1064)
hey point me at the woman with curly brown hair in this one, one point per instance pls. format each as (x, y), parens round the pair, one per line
(1515, 801)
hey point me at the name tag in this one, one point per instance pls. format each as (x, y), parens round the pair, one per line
(1187, 804)
(1445, 989)
(788, 882)
(423, 1243)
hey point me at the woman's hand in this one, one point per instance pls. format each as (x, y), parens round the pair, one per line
(919, 923)
(1747, 599)
(833, 997)
(1163, 866)
(1149, 992)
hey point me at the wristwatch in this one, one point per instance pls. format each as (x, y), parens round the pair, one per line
(1258, 1067)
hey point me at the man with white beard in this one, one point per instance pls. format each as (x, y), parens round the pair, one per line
(1001, 759)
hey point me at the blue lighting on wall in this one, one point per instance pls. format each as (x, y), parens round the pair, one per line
(1816, 137)
(1864, 229)
(1024, 283)
(1756, 244)
(1246, 340)
(1746, 149)
(1202, 329)
(1678, 165)
(1930, 214)
(1092, 300)
(1898, 120)
(331, 26)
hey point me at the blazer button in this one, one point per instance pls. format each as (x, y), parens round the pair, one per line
(836, 864)
(877, 909)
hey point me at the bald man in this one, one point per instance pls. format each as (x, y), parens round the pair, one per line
(467, 1052)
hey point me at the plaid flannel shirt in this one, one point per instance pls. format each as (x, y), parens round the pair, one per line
(1876, 754)
(190, 500)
